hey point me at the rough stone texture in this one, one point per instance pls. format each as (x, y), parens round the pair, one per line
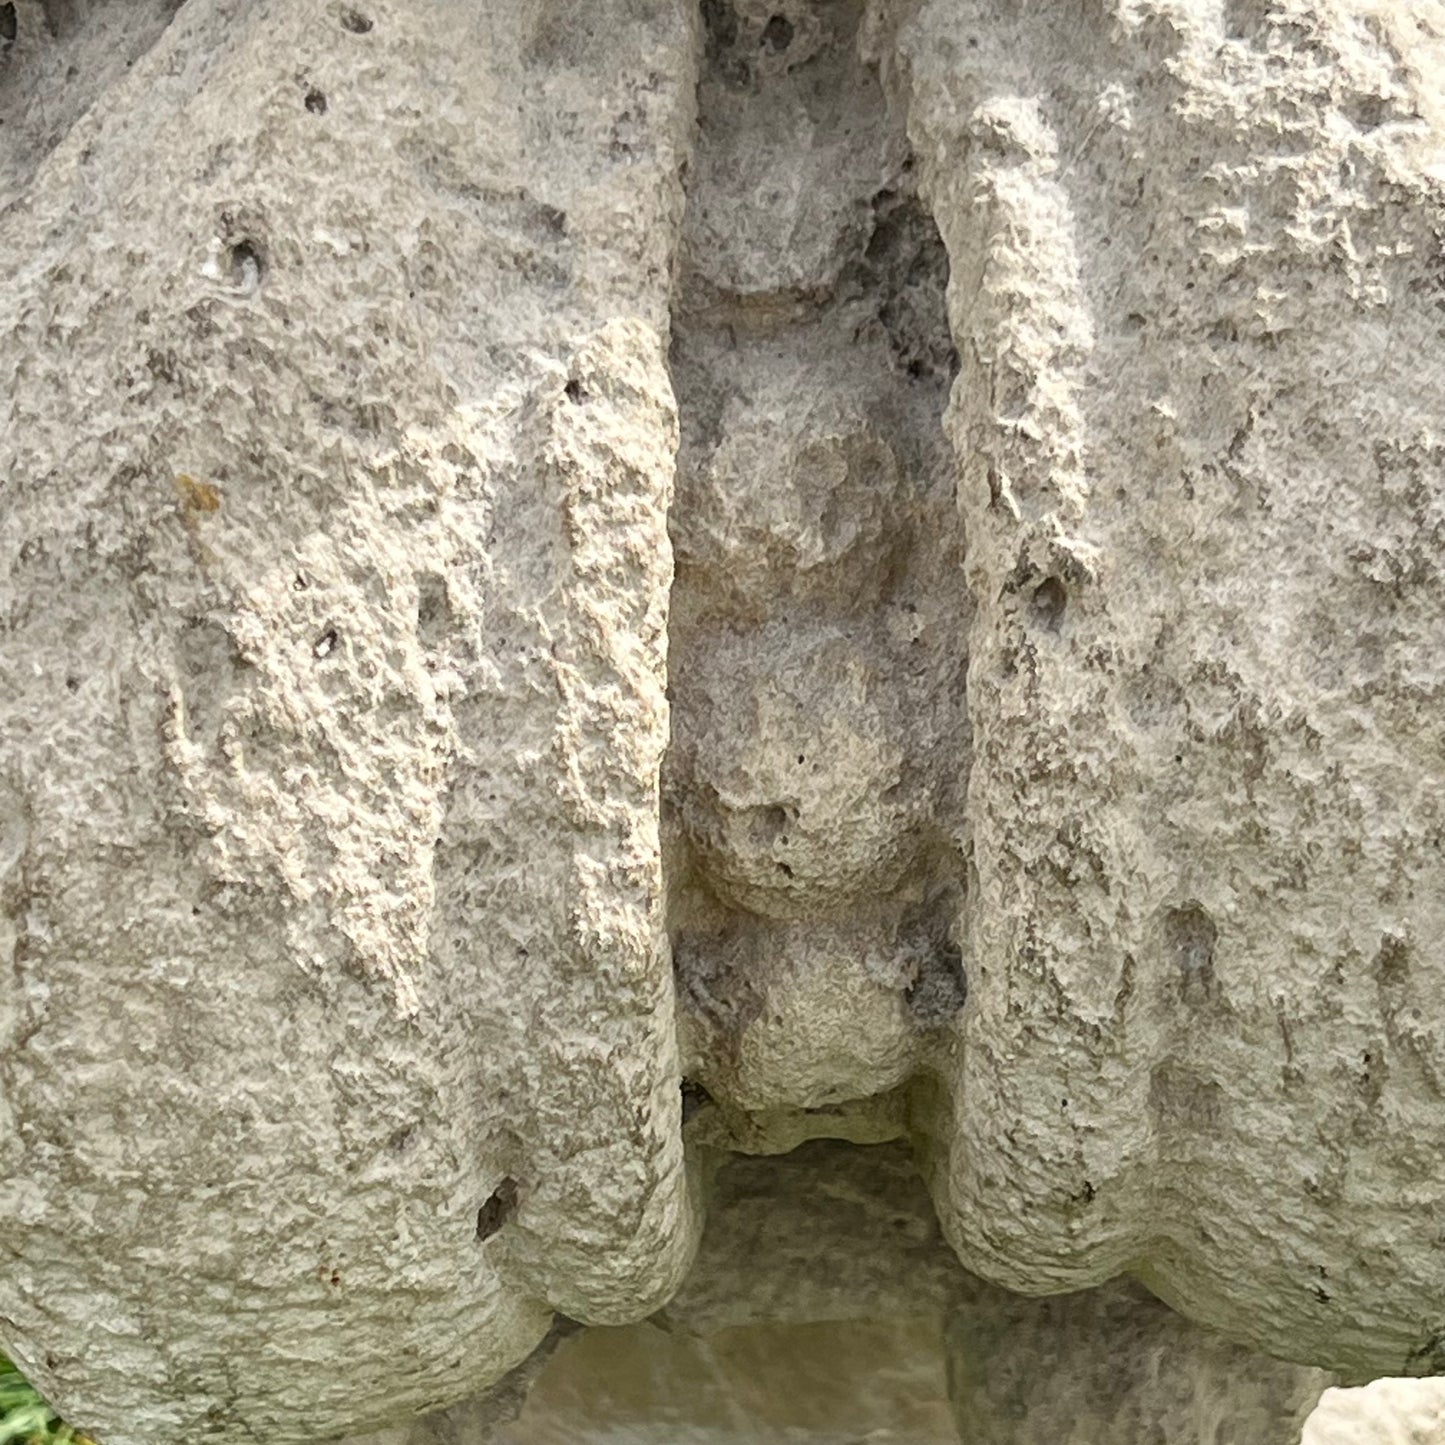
(1196, 286)
(1194, 266)
(337, 453)
(1042, 402)
(825, 1308)
(1387, 1412)
(817, 661)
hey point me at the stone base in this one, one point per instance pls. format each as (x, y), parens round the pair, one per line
(825, 1308)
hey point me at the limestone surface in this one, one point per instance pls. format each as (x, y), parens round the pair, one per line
(1387, 1412)
(337, 1044)
(824, 1307)
(589, 588)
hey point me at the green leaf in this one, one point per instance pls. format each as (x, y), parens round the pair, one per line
(24, 1416)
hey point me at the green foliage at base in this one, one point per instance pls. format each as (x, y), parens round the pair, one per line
(25, 1419)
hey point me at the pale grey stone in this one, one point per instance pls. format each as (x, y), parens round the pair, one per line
(1033, 753)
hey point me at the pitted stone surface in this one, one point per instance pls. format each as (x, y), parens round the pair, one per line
(818, 653)
(842, 569)
(825, 1307)
(1387, 1412)
(1197, 425)
(338, 1050)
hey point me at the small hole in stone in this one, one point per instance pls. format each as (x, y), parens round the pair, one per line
(721, 24)
(356, 22)
(773, 819)
(316, 101)
(694, 1097)
(574, 391)
(248, 265)
(940, 989)
(433, 607)
(72, 683)
(498, 1209)
(1191, 935)
(1049, 600)
(778, 33)
(785, 870)
(326, 643)
(1392, 962)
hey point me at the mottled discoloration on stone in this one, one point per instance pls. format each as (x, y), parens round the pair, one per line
(1042, 407)
(1195, 273)
(337, 462)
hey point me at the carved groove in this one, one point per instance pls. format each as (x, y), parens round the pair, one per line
(819, 618)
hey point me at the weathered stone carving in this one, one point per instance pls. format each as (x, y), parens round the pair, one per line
(1040, 404)
(825, 1306)
(819, 616)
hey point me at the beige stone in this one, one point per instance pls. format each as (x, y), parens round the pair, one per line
(1387, 1412)
(849, 570)
(825, 1308)
(337, 460)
